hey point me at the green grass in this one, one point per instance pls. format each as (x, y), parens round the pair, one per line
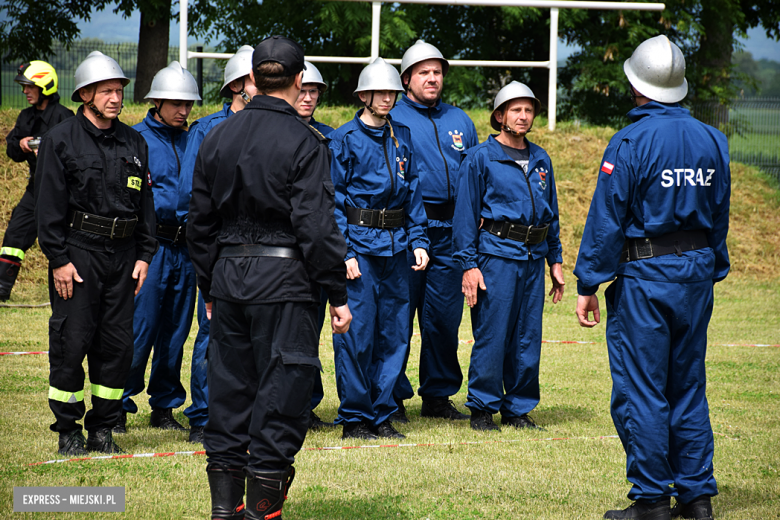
(465, 474)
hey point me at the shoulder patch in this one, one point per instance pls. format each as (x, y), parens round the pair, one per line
(313, 130)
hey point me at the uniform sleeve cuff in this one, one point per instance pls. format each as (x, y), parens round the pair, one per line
(145, 257)
(586, 291)
(338, 299)
(59, 261)
(467, 264)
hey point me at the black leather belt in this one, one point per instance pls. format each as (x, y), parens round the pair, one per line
(516, 232)
(376, 218)
(113, 228)
(677, 243)
(176, 234)
(260, 250)
(439, 211)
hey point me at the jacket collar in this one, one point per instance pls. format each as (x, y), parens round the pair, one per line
(654, 108)
(419, 106)
(496, 151)
(96, 132)
(262, 102)
(370, 130)
(46, 113)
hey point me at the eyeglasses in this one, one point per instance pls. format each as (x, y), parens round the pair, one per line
(314, 93)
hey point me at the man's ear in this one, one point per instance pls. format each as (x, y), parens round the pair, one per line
(87, 93)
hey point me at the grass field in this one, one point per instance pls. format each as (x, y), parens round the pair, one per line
(573, 470)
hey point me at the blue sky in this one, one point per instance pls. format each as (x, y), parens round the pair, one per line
(112, 28)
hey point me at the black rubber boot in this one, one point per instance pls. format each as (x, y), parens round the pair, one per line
(162, 418)
(441, 408)
(227, 492)
(121, 423)
(102, 441)
(9, 270)
(643, 510)
(72, 444)
(266, 492)
(700, 508)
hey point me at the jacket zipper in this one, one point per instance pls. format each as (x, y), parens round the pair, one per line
(173, 145)
(392, 185)
(438, 143)
(530, 192)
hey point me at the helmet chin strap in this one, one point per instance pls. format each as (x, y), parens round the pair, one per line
(243, 93)
(376, 115)
(159, 113)
(508, 130)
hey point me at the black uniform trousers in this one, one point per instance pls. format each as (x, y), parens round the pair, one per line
(263, 359)
(21, 232)
(96, 323)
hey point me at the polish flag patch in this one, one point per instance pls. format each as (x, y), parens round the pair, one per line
(607, 167)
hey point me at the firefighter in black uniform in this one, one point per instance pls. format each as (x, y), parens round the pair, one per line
(95, 215)
(263, 238)
(39, 83)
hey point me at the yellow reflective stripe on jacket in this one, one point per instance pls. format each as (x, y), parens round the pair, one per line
(12, 251)
(55, 394)
(105, 392)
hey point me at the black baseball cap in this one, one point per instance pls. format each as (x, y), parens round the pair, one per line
(281, 50)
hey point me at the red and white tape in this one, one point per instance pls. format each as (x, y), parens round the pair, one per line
(22, 353)
(330, 448)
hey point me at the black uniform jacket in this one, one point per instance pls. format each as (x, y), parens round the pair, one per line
(35, 123)
(106, 173)
(262, 176)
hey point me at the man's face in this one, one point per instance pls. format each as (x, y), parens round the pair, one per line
(32, 93)
(307, 100)
(426, 82)
(174, 112)
(107, 98)
(518, 115)
(382, 103)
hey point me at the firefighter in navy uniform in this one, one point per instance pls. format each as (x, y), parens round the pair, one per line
(95, 216)
(657, 225)
(440, 132)
(506, 226)
(263, 239)
(164, 308)
(312, 89)
(39, 83)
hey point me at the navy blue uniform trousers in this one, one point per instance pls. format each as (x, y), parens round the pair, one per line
(435, 296)
(507, 327)
(657, 340)
(370, 356)
(162, 321)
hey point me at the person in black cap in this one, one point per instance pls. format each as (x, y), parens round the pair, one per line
(263, 239)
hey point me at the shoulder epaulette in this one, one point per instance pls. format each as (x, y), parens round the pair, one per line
(313, 130)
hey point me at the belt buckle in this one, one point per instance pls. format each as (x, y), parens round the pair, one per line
(113, 228)
(363, 221)
(645, 250)
(176, 236)
(382, 218)
(528, 234)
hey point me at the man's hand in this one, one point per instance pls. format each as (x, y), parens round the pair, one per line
(586, 304)
(24, 146)
(353, 271)
(63, 280)
(421, 259)
(340, 318)
(556, 274)
(472, 280)
(208, 309)
(139, 274)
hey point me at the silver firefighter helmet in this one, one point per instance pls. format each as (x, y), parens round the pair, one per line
(95, 68)
(510, 91)
(379, 75)
(312, 75)
(174, 82)
(657, 70)
(238, 66)
(422, 51)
